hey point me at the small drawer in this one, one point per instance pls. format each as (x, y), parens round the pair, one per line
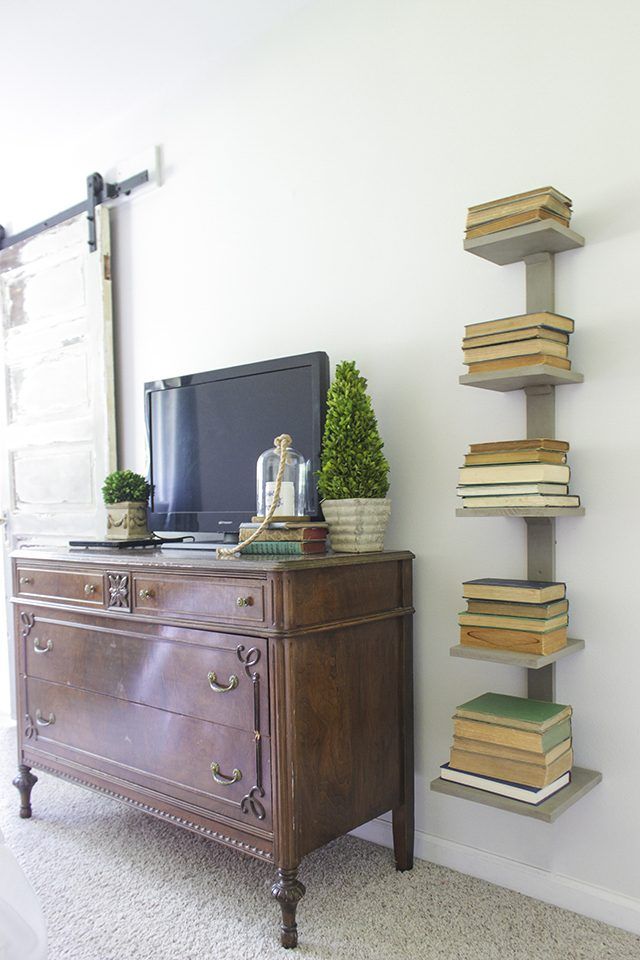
(227, 600)
(83, 587)
(211, 678)
(215, 767)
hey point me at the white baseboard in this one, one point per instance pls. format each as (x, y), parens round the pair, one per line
(599, 903)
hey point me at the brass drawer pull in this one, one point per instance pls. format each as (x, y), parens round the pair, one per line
(218, 687)
(44, 649)
(244, 601)
(146, 594)
(220, 777)
(89, 588)
(40, 720)
(25, 580)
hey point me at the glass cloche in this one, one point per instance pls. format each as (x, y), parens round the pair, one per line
(293, 491)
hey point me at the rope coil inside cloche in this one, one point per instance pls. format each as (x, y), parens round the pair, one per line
(281, 443)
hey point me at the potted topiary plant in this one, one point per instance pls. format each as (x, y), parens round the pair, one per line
(125, 495)
(354, 476)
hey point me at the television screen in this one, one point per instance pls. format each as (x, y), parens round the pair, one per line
(206, 432)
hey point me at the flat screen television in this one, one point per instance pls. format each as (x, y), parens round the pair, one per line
(205, 432)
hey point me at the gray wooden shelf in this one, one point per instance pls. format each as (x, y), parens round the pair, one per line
(531, 661)
(520, 512)
(517, 378)
(509, 246)
(582, 781)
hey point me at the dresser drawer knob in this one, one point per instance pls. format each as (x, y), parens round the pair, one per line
(25, 581)
(220, 777)
(89, 588)
(218, 687)
(45, 648)
(146, 594)
(42, 722)
(244, 601)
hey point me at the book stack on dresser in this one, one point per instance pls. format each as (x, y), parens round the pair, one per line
(516, 473)
(512, 746)
(525, 340)
(542, 203)
(525, 616)
(285, 537)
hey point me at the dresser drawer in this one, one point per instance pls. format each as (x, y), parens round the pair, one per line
(78, 586)
(224, 599)
(206, 764)
(198, 673)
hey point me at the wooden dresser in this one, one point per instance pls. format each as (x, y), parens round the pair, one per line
(263, 703)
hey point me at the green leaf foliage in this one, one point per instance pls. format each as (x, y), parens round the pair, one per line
(122, 485)
(352, 461)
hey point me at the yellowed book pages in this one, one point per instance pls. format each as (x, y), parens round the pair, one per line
(537, 191)
(512, 336)
(516, 220)
(545, 200)
(506, 736)
(542, 611)
(544, 317)
(518, 641)
(515, 456)
(512, 753)
(506, 363)
(535, 443)
(519, 349)
(529, 774)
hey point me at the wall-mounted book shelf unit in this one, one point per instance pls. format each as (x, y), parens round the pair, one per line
(536, 245)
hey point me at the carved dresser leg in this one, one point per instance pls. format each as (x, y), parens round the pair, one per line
(25, 782)
(288, 891)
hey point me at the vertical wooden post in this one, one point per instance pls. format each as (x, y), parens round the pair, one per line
(541, 422)
(540, 272)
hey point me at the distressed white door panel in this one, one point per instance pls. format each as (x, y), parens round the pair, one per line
(61, 377)
(44, 291)
(50, 243)
(53, 478)
(59, 414)
(30, 341)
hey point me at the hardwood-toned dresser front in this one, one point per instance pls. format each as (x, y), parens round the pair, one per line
(266, 704)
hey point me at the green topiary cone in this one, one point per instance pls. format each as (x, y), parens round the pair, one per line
(352, 461)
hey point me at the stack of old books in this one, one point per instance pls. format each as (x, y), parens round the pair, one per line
(516, 473)
(526, 340)
(511, 746)
(285, 537)
(527, 616)
(543, 203)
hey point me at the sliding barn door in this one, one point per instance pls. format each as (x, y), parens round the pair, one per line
(58, 369)
(57, 411)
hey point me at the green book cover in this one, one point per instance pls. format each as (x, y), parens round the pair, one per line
(287, 547)
(556, 734)
(520, 712)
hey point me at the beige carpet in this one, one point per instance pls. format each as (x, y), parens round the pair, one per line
(118, 885)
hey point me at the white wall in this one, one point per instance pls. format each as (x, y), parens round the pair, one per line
(320, 157)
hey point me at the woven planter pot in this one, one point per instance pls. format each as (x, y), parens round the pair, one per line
(127, 520)
(357, 525)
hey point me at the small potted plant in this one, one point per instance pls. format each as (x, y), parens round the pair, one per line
(354, 476)
(125, 495)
